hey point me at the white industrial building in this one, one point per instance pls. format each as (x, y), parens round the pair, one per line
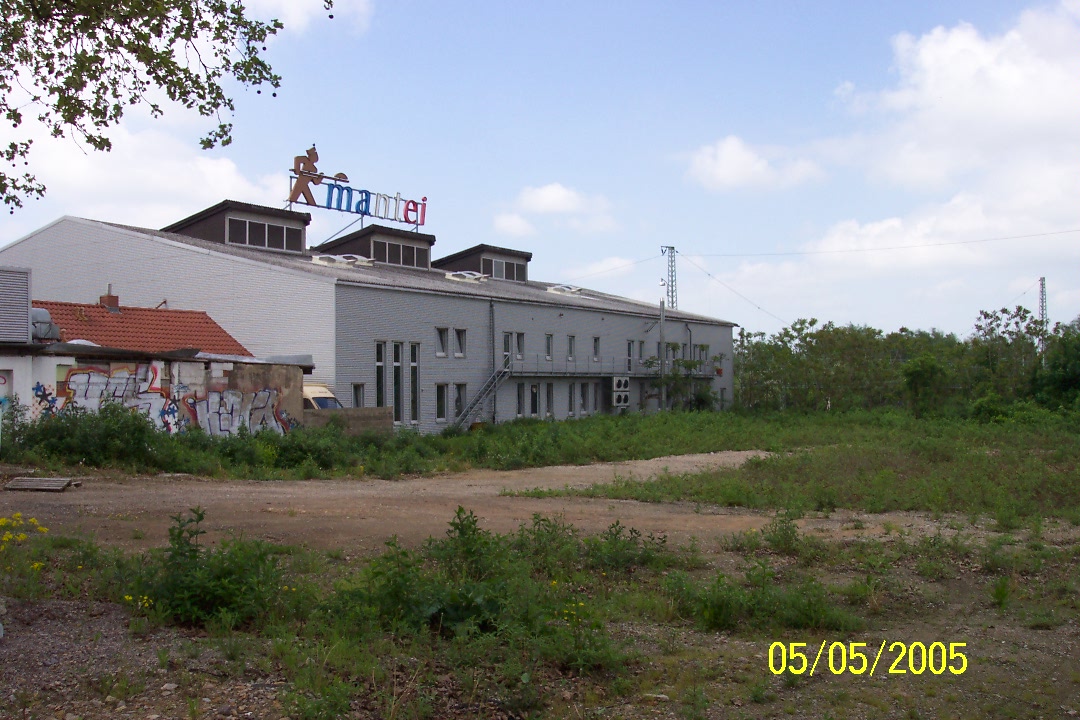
(468, 336)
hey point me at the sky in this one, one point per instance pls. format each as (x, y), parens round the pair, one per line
(883, 164)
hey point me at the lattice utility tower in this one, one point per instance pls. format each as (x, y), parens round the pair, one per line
(672, 292)
(1042, 314)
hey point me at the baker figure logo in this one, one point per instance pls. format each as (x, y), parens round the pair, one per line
(307, 175)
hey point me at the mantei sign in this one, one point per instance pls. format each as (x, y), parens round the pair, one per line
(340, 196)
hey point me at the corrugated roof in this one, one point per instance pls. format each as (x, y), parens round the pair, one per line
(435, 281)
(152, 330)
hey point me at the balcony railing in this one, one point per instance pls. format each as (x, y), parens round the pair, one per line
(528, 364)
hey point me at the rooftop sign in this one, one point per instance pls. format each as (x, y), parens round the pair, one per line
(340, 196)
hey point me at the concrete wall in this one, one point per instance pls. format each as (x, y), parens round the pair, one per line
(218, 397)
(358, 421)
(270, 310)
(366, 316)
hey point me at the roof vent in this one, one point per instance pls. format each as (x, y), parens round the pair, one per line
(43, 326)
(564, 289)
(466, 276)
(348, 260)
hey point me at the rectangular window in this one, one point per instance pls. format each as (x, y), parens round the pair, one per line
(641, 350)
(414, 382)
(421, 257)
(584, 398)
(705, 353)
(440, 403)
(534, 400)
(510, 274)
(237, 231)
(399, 399)
(408, 255)
(487, 267)
(358, 395)
(570, 347)
(508, 344)
(294, 239)
(629, 355)
(459, 399)
(498, 270)
(257, 234)
(551, 399)
(595, 349)
(441, 340)
(380, 374)
(549, 346)
(520, 345)
(380, 251)
(393, 253)
(572, 404)
(658, 350)
(520, 399)
(522, 273)
(275, 237)
(596, 397)
(459, 335)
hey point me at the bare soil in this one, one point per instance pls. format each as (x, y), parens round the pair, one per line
(80, 659)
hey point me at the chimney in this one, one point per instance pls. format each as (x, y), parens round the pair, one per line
(110, 301)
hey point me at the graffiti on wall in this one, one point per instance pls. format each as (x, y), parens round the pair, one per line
(221, 411)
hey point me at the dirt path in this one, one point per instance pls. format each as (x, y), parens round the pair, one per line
(359, 516)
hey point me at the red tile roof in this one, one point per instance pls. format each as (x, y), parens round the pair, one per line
(144, 329)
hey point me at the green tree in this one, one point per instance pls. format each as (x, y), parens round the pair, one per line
(80, 64)
(1056, 380)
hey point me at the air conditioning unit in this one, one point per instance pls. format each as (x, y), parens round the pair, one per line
(620, 391)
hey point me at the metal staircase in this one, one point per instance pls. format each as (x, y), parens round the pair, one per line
(486, 390)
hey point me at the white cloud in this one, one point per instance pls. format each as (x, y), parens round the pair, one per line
(296, 15)
(513, 224)
(558, 208)
(551, 198)
(730, 163)
(966, 102)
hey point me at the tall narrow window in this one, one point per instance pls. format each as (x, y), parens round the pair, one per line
(459, 336)
(629, 355)
(551, 399)
(549, 346)
(520, 345)
(641, 350)
(595, 349)
(534, 400)
(380, 374)
(441, 341)
(584, 398)
(572, 404)
(358, 395)
(399, 409)
(440, 402)
(570, 347)
(414, 382)
(459, 399)
(520, 399)
(596, 397)
(508, 347)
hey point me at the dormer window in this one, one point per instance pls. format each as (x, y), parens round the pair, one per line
(393, 253)
(504, 270)
(265, 235)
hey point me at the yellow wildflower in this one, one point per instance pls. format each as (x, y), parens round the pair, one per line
(42, 529)
(4, 522)
(37, 565)
(128, 598)
(21, 537)
(7, 537)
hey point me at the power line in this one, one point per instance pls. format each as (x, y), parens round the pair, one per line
(721, 282)
(616, 267)
(893, 247)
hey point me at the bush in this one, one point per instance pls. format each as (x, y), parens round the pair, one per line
(233, 585)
